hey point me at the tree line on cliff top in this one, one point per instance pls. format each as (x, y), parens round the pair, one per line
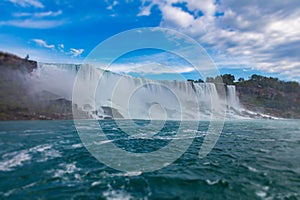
(254, 80)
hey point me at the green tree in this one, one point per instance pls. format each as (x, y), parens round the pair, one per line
(199, 81)
(256, 77)
(228, 79)
(241, 80)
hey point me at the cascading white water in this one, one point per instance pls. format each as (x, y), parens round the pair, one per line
(120, 96)
(57, 79)
(232, 98)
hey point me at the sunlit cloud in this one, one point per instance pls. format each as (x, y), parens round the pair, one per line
(112, 5)
(76, 52)
(262, 37)
(28, 3)
(33, 23)
(39, 14)
(149, 68)
(43, 43)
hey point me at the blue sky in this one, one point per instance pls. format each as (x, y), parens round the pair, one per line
(242, 37)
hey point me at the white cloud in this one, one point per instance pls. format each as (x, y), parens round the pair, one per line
(147, 68)
(35, 20)
(39, 14)
(76, 52)
(28, 3)
(59, 48)
(145, 11)
(176, 16)
(145, 64)
(267, 37)
(33, 23)
(112, 5)
(43, 43)
(208, 7)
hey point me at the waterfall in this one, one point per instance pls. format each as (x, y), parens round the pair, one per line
(232, 98)
(121, 96)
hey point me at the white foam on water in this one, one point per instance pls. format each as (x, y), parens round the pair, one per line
(116, 195)
(96, 183)
(40, 148)
(75, 146)
(214, 182)
(103, 142)
(46, 152)
(67, 171)
(252, 169)
(50, 154)
(261, 194)
(261, 191)
(132, 173)
(210, 182)
(190, 131)
(15, 159)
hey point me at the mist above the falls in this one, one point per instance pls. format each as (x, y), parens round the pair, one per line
(56, 80)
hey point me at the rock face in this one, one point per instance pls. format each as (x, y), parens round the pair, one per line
(266, 95)
(270, 96)
(17, 102)
(13, 62)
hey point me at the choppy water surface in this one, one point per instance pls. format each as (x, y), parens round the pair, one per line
(253, 159)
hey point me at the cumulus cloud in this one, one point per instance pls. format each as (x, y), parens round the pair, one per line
(176, 16)
(76, 52)
(267, 37)
(28, 3)
(43, 43)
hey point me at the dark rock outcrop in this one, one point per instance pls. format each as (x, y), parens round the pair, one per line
(13, 62)
(17, 102)
(270, 96)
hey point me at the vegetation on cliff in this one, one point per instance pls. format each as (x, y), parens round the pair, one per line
(266, 94)
(270, 95)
